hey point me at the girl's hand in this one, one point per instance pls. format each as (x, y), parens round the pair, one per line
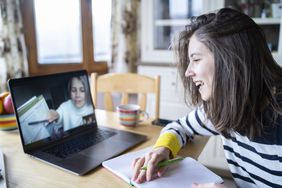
(150, 160)
(52, 115)
(208, 185)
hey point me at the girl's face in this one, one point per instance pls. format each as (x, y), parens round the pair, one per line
(77, 93)
(201, 67)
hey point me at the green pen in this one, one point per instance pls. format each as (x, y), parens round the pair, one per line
(166, 162)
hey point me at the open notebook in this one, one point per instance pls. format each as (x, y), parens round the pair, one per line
(183, 173)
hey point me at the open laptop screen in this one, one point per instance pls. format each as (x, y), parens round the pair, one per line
(52, 106)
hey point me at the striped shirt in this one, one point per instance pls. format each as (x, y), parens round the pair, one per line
(253, 163)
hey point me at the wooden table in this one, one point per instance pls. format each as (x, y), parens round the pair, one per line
(23, 171)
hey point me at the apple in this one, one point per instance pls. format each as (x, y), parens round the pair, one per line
(3, 95)
(1, 107)
(8, 104)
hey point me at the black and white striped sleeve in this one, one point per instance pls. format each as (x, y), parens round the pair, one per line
(195, 123)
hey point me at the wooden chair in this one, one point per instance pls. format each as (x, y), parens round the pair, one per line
(125, 84)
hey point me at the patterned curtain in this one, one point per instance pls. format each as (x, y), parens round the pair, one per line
(125, 35)
(13, 61)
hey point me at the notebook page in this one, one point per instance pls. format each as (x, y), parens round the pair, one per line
(120, 165)
(183, 173)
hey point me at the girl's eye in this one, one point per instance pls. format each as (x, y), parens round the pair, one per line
(82, 90)
(196, 60)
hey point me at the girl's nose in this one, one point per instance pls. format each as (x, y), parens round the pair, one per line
(189, 72)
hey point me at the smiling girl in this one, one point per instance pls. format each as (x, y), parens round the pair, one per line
(231, 78)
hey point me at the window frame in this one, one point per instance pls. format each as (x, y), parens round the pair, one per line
(88, 62)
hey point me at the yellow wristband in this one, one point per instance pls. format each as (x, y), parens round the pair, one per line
(170, 141)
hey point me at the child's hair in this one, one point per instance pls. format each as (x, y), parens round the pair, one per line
(247, 80)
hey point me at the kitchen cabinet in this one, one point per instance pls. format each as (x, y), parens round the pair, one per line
(163, 19)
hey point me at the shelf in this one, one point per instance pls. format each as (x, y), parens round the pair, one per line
(182, 22)
(267, 21)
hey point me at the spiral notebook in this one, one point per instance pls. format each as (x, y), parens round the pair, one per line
(183, 173)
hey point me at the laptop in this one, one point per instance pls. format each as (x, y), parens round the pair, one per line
(57, 122)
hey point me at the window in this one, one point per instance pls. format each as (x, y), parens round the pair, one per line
(67, 35)
(101, 13)
(58, 33)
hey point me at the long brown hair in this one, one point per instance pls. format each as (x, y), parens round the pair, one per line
(246, 76)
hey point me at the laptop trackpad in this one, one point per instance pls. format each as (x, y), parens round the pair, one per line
(103, 151)
(79, 163)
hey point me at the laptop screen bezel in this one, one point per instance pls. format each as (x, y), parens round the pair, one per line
(46, 142)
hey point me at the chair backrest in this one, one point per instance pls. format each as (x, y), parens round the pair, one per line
(125, 84)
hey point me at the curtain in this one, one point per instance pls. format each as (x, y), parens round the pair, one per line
(13, 61)
(125, 35)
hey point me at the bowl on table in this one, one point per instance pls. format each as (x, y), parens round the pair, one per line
(8, 122)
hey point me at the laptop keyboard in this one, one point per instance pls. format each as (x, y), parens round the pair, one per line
(80, 143)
